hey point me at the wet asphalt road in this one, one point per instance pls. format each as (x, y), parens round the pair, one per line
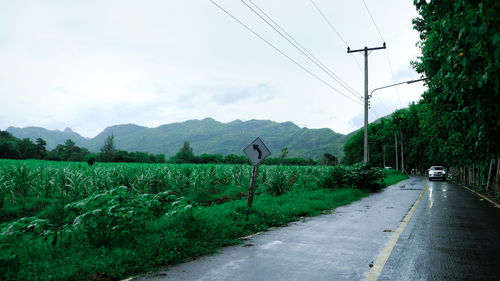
(453, 235)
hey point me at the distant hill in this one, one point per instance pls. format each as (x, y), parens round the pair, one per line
(205, 136)
(52, 137)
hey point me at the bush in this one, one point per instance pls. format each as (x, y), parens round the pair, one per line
(360, 176)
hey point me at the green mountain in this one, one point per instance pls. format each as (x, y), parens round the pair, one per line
(205, 136)
(52, 137)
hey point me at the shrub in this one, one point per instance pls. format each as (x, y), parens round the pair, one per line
(90, 159)
(360, 176)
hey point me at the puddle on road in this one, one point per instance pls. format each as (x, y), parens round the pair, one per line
(270, 245)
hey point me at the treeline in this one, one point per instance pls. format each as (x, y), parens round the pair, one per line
(457, 122)
(186, 155)
(14, 148)
(239, 159)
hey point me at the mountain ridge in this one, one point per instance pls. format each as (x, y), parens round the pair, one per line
(205, 136)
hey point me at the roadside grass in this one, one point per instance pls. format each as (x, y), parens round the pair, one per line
(395, 178)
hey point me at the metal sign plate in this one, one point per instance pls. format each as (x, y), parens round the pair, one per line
(257, 151)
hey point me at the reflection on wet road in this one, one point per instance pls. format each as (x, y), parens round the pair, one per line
(453, 235)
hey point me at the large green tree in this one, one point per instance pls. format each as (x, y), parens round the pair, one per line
(68, 151)
(460, 42)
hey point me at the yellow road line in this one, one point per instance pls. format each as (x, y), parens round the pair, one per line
(379, 264)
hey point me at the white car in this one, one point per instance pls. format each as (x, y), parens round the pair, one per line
(437, 172)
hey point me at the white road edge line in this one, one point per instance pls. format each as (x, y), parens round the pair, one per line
(484, 197)
(379, 264)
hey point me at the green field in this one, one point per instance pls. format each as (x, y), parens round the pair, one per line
(69, 221)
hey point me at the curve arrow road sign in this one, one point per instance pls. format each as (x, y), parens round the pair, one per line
(256, 147)
(256, 152)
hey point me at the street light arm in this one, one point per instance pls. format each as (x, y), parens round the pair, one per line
(418, 80)
(392, 85)
(385, 87)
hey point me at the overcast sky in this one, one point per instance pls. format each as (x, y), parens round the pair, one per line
(92, 64)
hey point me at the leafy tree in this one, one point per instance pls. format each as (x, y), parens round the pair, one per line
(185, 154)
(460, 46)
(14, 148)
(108, 151)
(41, 147)
(353, 148)
(27, 149)
(68, 151)
(9, 148)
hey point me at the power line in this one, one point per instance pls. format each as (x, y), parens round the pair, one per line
(336, 32)
(300, 47)
(392, 76)
(374, 112)
(380, 101)
(378, 30)
(329, 23)
(386, 51)
(344, 41)
(282, 53)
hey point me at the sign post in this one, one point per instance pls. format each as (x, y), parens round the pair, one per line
(256, 152)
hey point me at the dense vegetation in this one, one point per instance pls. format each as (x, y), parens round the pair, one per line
(71, 221)
(457, 123)
(14, 148)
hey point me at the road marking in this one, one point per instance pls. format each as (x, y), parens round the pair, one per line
(484, 197)
(379, 264)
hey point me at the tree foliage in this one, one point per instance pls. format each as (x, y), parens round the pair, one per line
(185, 154)
(14, 148)
(108, 150)
(460, 42)
(68, 151)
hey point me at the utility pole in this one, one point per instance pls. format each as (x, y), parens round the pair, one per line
(401, 141)
(402, 155)
(383, 147)
(365, 53)
(396, 146)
